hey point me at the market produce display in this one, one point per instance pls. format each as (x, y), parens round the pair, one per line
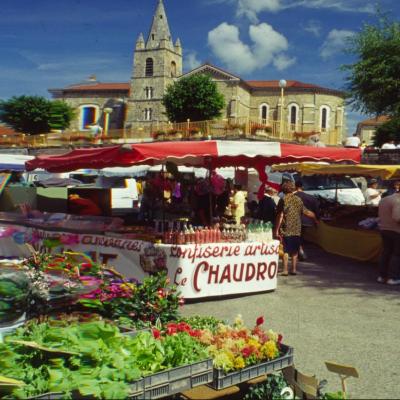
(92, 359)
(14, 289)
(95, 347)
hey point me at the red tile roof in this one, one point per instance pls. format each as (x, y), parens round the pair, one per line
(375, 121)
(121, 86)
(289, 84)
(6, 130)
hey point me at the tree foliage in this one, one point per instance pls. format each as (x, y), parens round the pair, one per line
(373, 81)
(34, 115)
(195, 97)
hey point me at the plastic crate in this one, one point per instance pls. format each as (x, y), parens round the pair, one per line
(175, 374)
(223, 380)
(48, 396)
(137, 386)
(170, 388)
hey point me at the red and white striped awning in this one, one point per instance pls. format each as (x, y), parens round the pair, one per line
(211, 153)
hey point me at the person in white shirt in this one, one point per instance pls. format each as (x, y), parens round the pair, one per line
(388, 145)
(373, 195)
(353, 141)
(389, 225)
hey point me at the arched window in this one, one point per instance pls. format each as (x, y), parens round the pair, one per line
(88, 115)
(264, 113)
(293, 116)
(173, 69)
(149, 67)
(324, 118)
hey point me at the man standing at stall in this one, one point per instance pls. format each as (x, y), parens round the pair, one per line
(288, 225)
(389, 225)
(373, 195)
(267, 207)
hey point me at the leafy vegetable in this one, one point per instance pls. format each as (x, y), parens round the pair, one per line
(91, 359)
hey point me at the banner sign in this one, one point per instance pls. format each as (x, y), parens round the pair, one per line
(206, 270)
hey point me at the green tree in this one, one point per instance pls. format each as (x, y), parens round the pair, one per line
(61, 115)
(373, 81)
(195, 97)
(34, 115)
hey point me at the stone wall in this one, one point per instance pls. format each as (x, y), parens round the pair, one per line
(163, 76)
(115, 100)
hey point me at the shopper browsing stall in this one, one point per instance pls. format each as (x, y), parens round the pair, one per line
(238, 204)
(389, 225)
(288, 225)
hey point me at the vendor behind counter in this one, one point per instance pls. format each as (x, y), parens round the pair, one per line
(83, 206)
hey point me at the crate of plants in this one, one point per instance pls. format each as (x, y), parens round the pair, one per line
(70, 359)
(192, 368)
(240, 353)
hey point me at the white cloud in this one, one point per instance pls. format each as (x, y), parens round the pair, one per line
(361, 6)
(313, 27)
(282, 61)
(268, 47)
(335, 42)
(191, 61)
(252, 8)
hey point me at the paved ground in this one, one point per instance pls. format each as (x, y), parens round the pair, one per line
(333, 310)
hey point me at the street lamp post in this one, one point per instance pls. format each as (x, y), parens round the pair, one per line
(107, 111)
(282, 85)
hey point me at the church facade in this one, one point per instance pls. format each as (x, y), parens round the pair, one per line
(158, 63)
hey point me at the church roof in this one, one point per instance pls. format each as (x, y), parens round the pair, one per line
(99, 86)
(7, 131)
(291, 84)
(219, 73)
(95, 87)
(381, 119)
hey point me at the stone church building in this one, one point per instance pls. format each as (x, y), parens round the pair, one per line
(158, 63)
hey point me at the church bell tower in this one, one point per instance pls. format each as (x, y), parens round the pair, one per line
(157, 64)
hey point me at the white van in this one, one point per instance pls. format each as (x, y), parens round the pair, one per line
(343, 189)
(348, 193)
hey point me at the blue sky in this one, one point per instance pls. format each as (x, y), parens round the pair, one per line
(47, 43)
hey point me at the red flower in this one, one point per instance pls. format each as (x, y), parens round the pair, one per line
(86, 265)
(156, 333)
(246, 352)
(280, 337)
(181, 301)
(260, 321)
(183, 327)
(194, 333)
(172, 329)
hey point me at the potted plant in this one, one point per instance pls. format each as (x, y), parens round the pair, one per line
(158, 135)
(235, 128)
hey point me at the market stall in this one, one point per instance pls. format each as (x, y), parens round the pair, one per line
(199, 270)
(349, 231)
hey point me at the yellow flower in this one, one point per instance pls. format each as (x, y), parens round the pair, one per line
(239, 363)
(254, 343)
(238, 322)
(272, 335)
(224, 360)
(128, 287)
(270, 350)
(206, 337)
